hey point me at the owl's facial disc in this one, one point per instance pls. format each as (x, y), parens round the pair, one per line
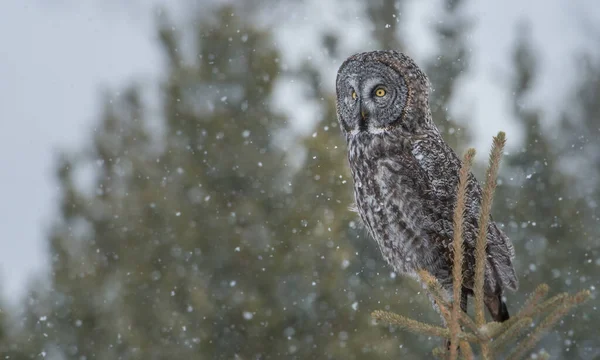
(371, 96)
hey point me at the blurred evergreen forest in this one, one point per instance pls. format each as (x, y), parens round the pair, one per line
(215, 232)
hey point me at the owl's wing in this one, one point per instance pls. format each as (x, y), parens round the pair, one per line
(501, 253)
(500, 250)
(443, 164)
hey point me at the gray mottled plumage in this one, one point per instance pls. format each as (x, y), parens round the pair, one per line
(406, 176)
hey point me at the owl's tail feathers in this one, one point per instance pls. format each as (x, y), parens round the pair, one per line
(497, 308)
(503, 314)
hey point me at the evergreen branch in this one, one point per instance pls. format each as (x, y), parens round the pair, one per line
(527, 311)
(431, 282)
(414, 326)
(434, 288)
(509, 333)
(437, 292)
(467, 321)
(418, 327)
(485, 350)
(440, 352)
(548, 322)
(549, 305)
(581, 297)
(466, 351)
(534, 299)
(492, 329)
(457, 275)
(486, 205)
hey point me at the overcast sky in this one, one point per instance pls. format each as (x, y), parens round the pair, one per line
(57, 55)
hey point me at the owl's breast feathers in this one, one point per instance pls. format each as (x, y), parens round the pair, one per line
(393, 198)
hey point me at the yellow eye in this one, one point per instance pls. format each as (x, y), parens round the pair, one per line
(354, 96)
(380, 92)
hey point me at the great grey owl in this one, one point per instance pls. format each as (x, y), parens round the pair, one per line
(406, 177)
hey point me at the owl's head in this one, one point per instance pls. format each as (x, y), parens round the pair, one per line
(381, 91)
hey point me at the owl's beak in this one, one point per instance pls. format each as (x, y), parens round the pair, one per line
(363, 112)
(363, 119)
